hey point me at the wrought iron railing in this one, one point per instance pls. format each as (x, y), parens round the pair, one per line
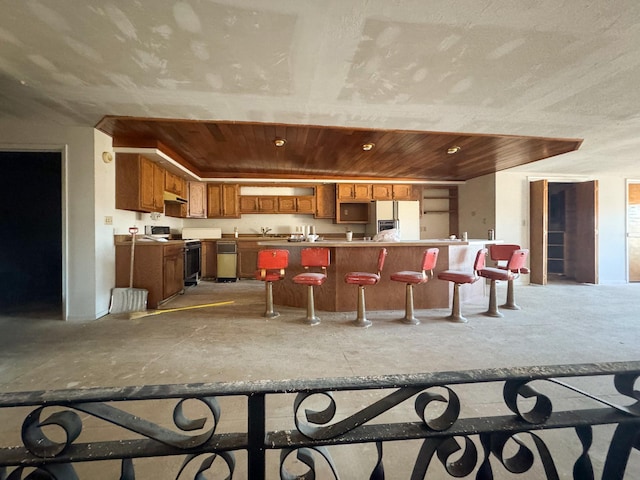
(481, 424)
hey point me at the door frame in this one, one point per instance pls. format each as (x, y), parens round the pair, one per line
(64, 206)
(538, 226)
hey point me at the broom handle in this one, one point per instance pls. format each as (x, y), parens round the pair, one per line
(132, 231)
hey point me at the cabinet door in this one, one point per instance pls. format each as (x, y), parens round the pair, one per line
(197, 207)
(346, 190)
(173, 183)
(147, 186)
(173, 270)
(230, 201)
(382, 192)
(267, 205)
(158, 188)
(287, 205)
(179, 210)
(403, 192)
(362, 191)
(209, 259)
(325, 201)
(214, 200)
(248, 204)
(247, 258)
(305, 204)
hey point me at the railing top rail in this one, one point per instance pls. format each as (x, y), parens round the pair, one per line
(260, 387)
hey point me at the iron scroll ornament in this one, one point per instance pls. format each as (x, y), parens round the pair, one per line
(37, 442)
(315, 419)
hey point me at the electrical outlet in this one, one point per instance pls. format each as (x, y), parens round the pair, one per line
(108, 220)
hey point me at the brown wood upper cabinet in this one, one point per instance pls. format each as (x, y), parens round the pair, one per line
(258, 204)
(381, 192)
(139, 183)
(354, 191)
(277, 204)
(197, 200)
(298, 204)
(376, 191)
(174, 184)
(223, 200)
(325, 200)
(404, 192)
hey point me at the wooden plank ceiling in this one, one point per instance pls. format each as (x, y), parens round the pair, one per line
(212, 149)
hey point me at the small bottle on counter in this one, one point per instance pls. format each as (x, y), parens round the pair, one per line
(491, 235)
(235, 232)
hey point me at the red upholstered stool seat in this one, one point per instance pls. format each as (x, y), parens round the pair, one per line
(363, 279)
(501, 253)
(313, 257)
(411, 278)
(271, 267)
(512, 270)
(460, 278)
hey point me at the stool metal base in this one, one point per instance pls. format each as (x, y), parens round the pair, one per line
(361, 320)
(493, 304)
(510, 304)
(269, 312)
(456, 316)
(312, 319)
(409, 317)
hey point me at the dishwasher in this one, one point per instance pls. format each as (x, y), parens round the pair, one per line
(227, 258)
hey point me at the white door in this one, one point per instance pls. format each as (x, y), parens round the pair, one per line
(409, 219)
(633, 231)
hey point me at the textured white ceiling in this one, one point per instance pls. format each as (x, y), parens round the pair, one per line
(545, 68)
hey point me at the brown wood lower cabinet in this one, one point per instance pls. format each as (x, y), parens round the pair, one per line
(209, 261)
(158, 268)
(248, 258)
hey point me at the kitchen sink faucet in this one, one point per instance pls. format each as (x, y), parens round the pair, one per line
(265, 230)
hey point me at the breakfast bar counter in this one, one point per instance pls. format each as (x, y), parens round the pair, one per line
(360, 255)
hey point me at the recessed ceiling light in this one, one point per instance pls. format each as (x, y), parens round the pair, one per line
(279, 142)
(454, 149)
(368, 146)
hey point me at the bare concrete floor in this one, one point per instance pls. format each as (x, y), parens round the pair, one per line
(559, 324)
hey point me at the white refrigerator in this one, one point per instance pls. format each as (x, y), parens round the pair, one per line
(401, 214)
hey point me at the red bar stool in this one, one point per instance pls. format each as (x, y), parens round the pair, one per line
(502, 253)
(271, 265)
(313, 257)
(458, 278)
(510, 272)
(362, 279)
(411, 278)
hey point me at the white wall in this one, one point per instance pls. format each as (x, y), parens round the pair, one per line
(104, 207)
(612, 246)
(477, 206)
(512, 208)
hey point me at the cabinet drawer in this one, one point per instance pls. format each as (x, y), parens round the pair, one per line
(171, 250)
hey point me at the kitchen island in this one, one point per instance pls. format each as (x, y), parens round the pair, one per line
(360, 255)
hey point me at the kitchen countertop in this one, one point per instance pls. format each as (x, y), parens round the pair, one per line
(144, 242)
(432, 242)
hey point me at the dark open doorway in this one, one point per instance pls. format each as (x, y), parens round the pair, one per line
(31, 244)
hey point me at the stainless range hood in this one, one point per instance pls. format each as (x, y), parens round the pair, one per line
(173, 198)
